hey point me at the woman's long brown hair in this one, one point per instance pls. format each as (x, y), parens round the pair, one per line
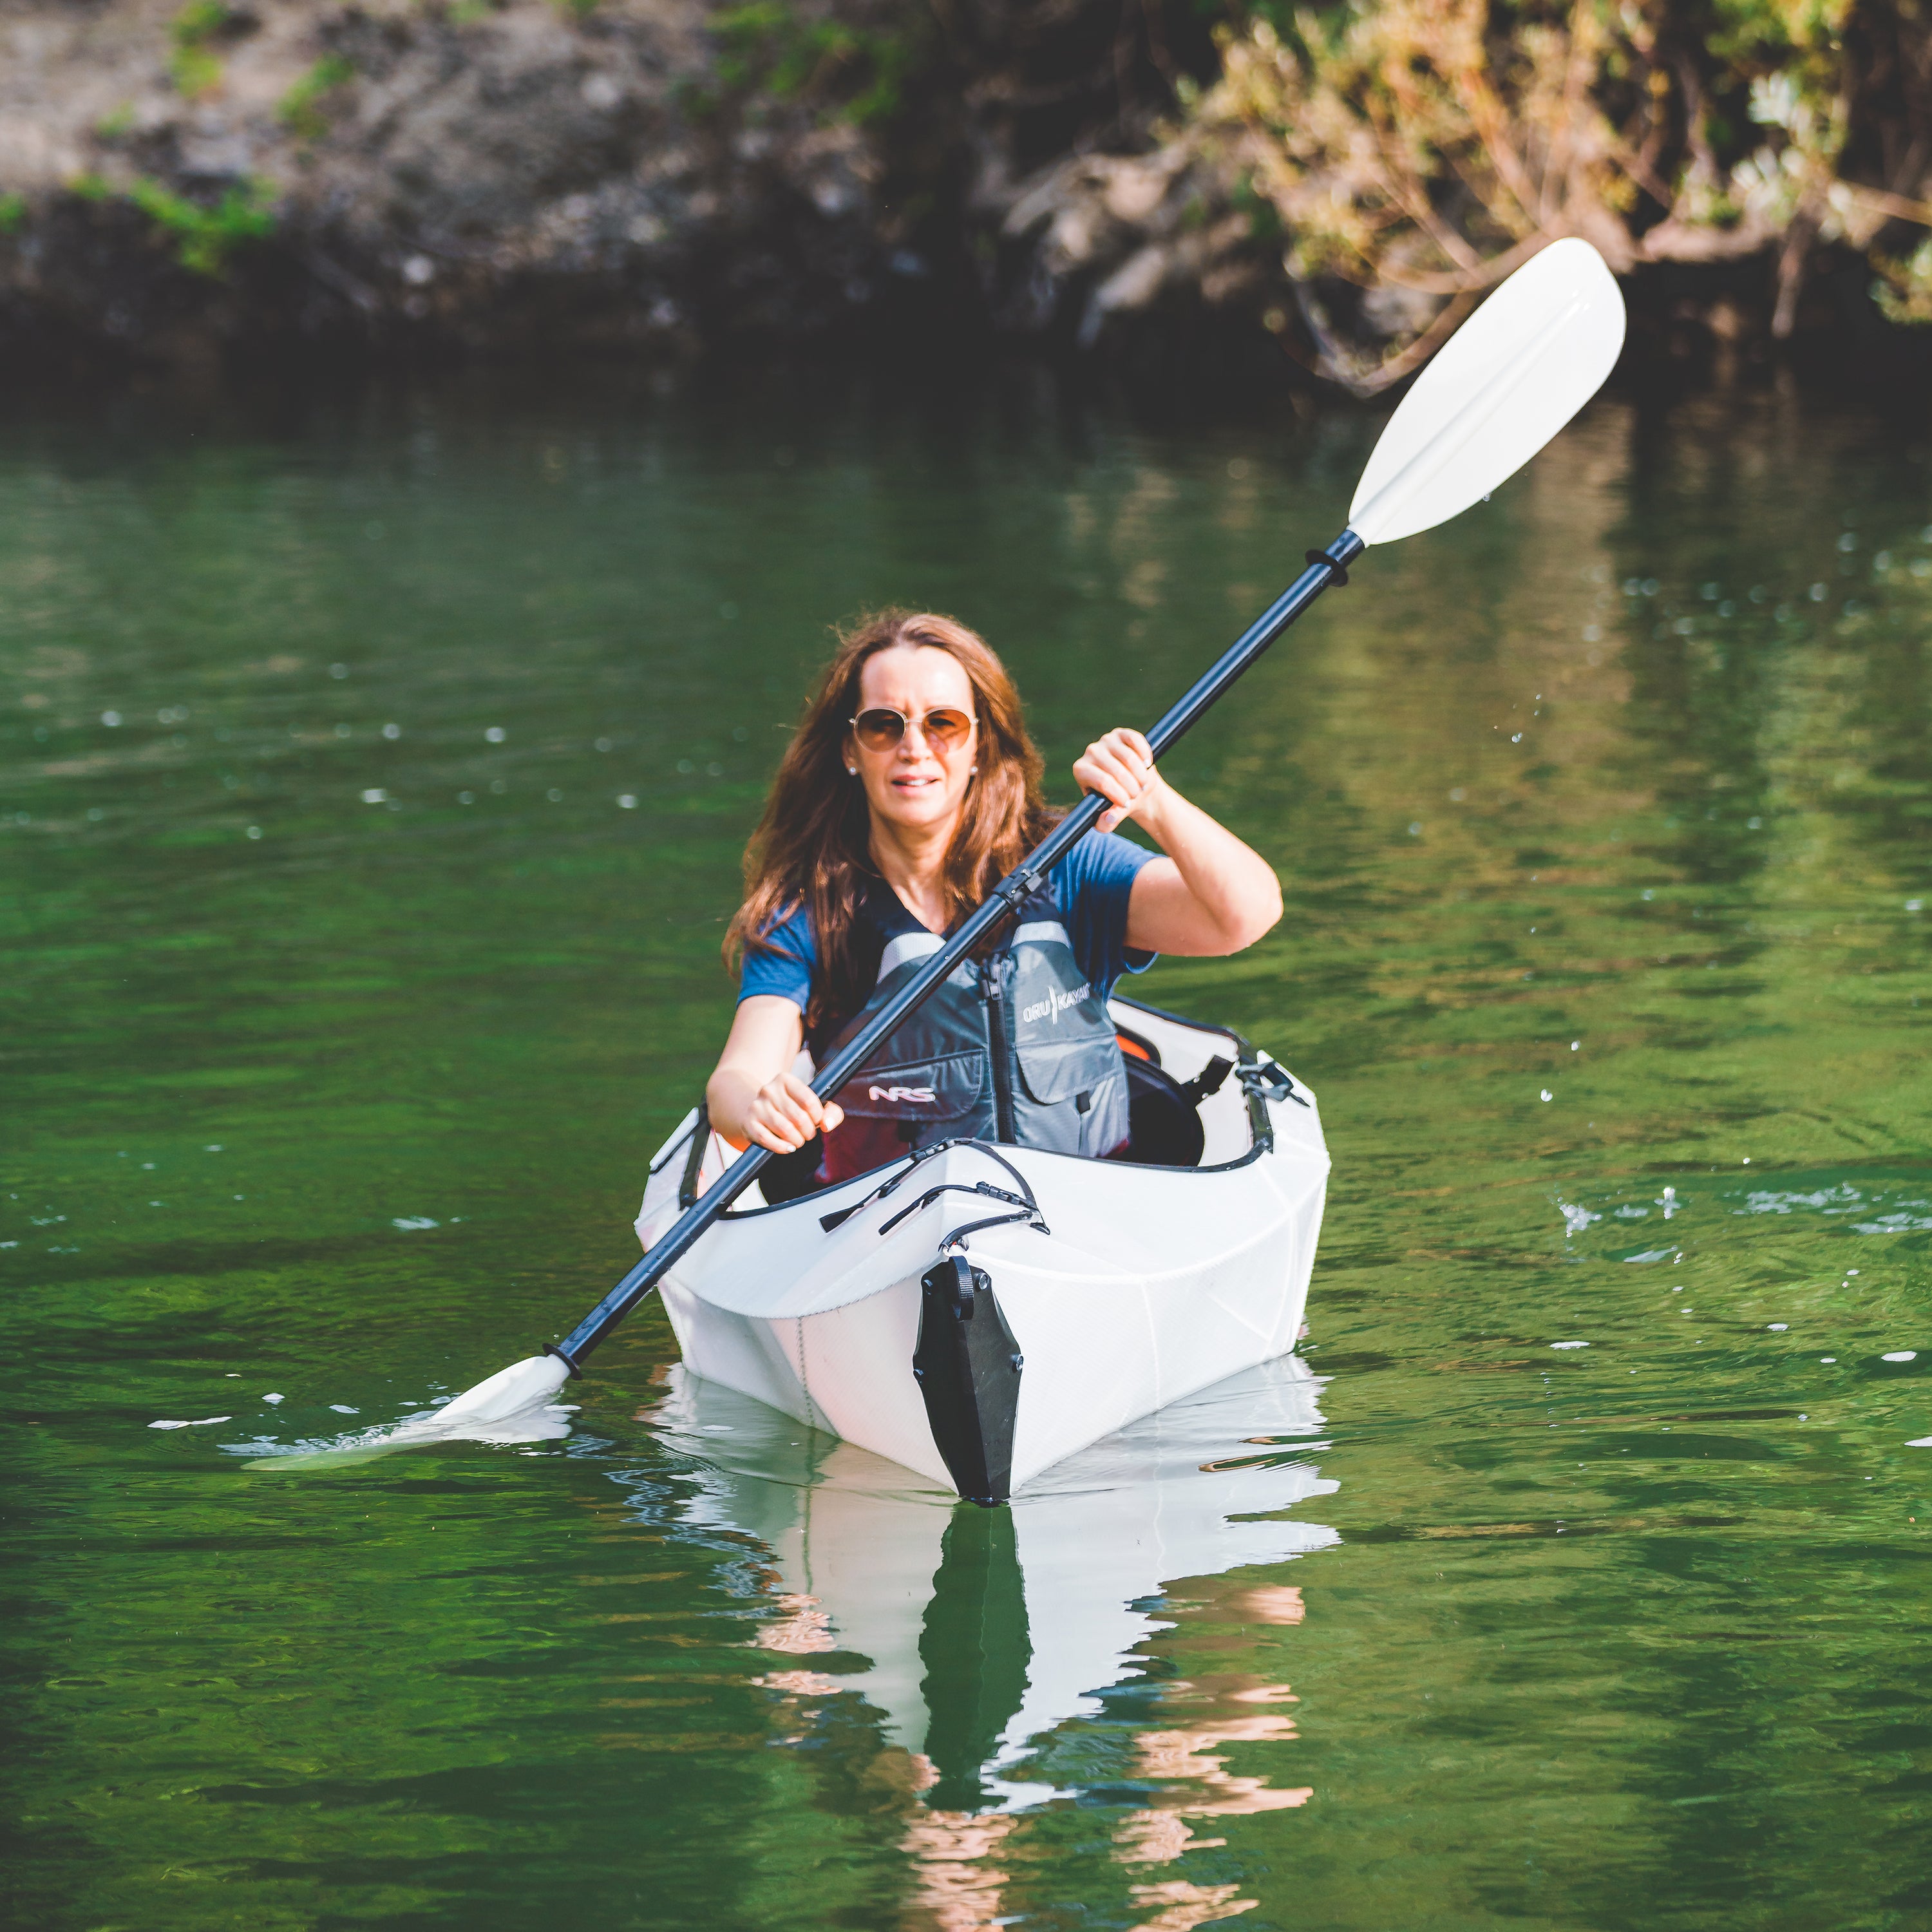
(813, 846)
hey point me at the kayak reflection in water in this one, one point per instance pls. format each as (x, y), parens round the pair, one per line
(974, 1635)
(910, 789)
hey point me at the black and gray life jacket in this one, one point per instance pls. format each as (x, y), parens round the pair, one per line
(1015, 1047)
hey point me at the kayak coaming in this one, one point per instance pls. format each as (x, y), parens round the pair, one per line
(1154, 1283)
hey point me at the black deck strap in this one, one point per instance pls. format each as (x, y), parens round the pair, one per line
(1020, 1180)
(1210, 1079)
(956, 1241)
(1338, 577)
(932, 1194)
(840, 1215)
(694, 1158)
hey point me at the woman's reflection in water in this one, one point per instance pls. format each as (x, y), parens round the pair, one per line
(963, 1860)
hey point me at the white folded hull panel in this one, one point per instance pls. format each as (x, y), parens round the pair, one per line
(1151, 1283)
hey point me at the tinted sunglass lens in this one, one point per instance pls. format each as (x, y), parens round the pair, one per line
(944, 729)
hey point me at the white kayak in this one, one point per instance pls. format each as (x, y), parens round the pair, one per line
(978, 1312)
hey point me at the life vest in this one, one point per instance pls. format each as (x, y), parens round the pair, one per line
(1015, 1047)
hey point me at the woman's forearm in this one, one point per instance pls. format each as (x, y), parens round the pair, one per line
(1235, 896)
(1211, 894)
(767, 1032)
(728, 1095)
(752, 1095)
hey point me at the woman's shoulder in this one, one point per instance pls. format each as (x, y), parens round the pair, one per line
(789, 934)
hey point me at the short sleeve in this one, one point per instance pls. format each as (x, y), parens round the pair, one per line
(1093, 883)
(784, 965)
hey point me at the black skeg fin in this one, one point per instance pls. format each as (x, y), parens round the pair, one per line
(975, 1648)
(968, 1366)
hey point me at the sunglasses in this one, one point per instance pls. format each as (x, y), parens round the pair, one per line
(945, 730)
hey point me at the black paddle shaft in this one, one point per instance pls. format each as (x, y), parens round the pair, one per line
(1325, 568)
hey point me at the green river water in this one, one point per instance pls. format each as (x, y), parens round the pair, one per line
(373, 775)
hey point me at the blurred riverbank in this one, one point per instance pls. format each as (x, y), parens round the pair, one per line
(656, 182)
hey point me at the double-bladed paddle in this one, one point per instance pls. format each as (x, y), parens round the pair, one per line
(1504, 383)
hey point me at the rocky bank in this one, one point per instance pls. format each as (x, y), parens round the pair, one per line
(184, 182)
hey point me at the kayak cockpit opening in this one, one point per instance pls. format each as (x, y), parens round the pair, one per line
(1164, 1114)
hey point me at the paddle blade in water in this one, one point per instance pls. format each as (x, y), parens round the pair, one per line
(523, 1385)
(1504, 383)
(515, 1405)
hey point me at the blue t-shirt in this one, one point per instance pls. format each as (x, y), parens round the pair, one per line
(1092, 884)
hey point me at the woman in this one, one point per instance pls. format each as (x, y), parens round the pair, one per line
(909, 790)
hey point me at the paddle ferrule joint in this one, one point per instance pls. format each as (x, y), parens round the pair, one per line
(1019, 885)
(569, 1361)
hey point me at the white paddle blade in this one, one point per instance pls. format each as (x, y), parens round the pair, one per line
(513, 1391)
(1502, 386)
(515, 1405)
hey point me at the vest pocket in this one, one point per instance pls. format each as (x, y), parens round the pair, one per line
(1063, 1070)
(942, 1089)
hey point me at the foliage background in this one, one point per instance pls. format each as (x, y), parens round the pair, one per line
(667, 177)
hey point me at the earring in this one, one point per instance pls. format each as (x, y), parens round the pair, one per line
(851, 771)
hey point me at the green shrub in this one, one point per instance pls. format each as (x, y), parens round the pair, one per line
(300, 110)
(1429, 145)
(205, 238)
(195, 65)
(858, 74)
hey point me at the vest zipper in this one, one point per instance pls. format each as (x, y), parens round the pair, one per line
(1000, 1046)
